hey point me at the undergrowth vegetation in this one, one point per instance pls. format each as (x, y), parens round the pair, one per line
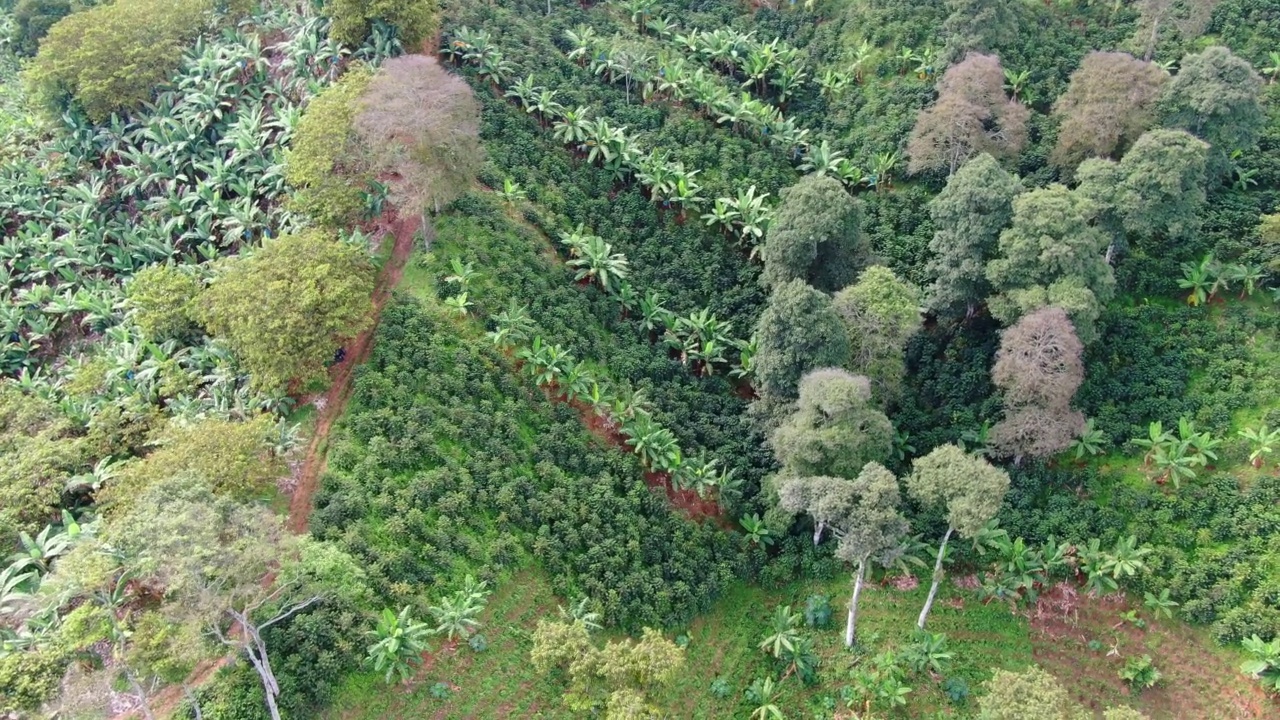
(717, 326)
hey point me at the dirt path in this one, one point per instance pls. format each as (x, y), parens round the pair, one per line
(340, 375)
(166, 701)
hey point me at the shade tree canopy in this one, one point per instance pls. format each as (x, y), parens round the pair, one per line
(880, 314)
(1109, 102)
(968, 215)
(814, 236)
(972, 115)
(798, 331)
(835, 430)
(285, 308)
(1038, 369)
(1051, 254)
(967, 488)
(1215, 96)
(863, 515)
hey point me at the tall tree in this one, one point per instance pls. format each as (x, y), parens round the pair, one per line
(1052, 255)
(228, 567)
(1110, 101)
(1215, 96)
(1162, 190)
(835, 430)
(798, 331)
(284, 309)
(814, 236)
(1153, 197)
(1038, 368)
(968, 488)
(971, 115)
(880, 314)
(968, 215)
(863, 515)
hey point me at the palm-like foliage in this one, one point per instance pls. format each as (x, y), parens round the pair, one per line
(598, 263)
(1262, 442)
(783, 633)
(399, 642)
(1197, 278)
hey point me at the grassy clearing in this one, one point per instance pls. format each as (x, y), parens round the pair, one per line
(1072, 637)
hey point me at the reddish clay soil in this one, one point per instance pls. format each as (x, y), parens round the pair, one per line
(1199, 679)
(688, 502)
(403, 230)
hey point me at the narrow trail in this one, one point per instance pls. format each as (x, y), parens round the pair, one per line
(164, 703)
(340, 375)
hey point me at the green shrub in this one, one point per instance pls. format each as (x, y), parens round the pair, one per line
(28, 679)
(33, 19)
(161, 296)
(326, 164)
(415, 20)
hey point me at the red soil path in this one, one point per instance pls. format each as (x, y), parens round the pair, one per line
(403, 230)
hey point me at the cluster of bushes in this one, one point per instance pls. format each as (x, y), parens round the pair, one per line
(446, 462)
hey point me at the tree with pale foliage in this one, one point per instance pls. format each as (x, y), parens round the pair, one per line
(285, 309)
(1052, 254)
(1038, 369)
(1110, 101)
(1031, 694)
(861, 513)
(210, 554)
(972, 115)
(814, 236)
(618, 677)
(967, 487)
(1216, 97)
(880, 314)
(1034, 694)
(798, 331)
(968, 215)
(835, 430)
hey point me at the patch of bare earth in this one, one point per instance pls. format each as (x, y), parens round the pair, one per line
(1199, 679)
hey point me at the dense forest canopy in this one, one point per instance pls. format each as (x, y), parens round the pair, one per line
(587, 359)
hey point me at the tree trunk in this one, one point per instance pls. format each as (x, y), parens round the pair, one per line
(850, 626)
(143, 705)
(195, 702)
(1111, 252)
(1151, 42)
(937, 578)
(817, 532)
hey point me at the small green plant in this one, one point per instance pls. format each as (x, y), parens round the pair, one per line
(1140, 673)
(682, 641)
(478, 643)
(512, 192)
(783, 633)
(399, 643)
(757, 532)
(1133, 619)
(817, 611)
(1159, 604)
(440, 691)
(1264, 662)
(761, 696)
(721, 689)
(927, 652)
(956, 690)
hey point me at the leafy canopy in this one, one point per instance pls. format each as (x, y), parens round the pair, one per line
(968, 215)
(285, 308)
(968, 487)
(798, 331)
(111, 57)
